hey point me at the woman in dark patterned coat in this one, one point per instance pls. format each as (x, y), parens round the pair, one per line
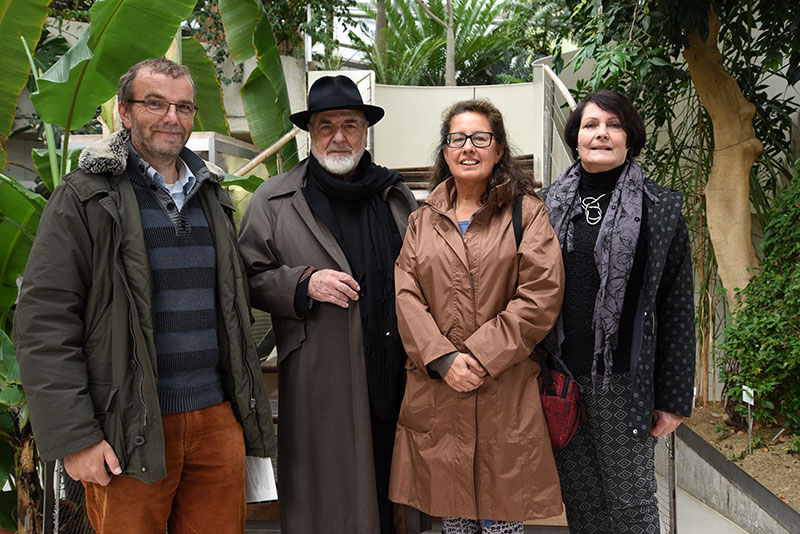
(626, 331)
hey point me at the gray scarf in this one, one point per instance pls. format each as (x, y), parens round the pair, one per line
(613, 254)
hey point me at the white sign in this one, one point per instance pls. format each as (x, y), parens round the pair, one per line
(748, 395)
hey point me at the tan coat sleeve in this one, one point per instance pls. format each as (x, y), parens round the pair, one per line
(531, 312)
(422, 338)
(272, 283)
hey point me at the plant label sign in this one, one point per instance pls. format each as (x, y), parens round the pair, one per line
(748, 395)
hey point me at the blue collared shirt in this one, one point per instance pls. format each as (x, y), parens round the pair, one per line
(179, 189)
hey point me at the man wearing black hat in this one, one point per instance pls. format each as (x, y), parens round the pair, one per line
(319, 244)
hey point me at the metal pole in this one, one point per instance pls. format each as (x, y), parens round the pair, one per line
(673, 485)
(547, 156)
(49, 498)
(307, 40)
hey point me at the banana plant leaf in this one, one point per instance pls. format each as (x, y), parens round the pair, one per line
(211, 114)
(9, 368)
(42, 162)
(20, 211)
(264, 95)
(8, 505)
(16, 18)
(239, 18)
(249, 183)
(6, 461)
(121, 33)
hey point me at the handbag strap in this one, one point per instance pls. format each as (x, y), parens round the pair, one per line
(547, 378)
(516, 221)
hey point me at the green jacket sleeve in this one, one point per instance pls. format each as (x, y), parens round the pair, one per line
(49, 330)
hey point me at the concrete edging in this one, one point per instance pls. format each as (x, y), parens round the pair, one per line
(710, 477)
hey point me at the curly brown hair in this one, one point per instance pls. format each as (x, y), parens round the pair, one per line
(505, 169)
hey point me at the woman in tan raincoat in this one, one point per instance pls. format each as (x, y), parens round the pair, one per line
(472, 445)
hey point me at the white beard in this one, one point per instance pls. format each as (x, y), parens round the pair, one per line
(338, 165)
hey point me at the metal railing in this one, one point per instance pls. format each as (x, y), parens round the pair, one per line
(557, 104)
(272, 149)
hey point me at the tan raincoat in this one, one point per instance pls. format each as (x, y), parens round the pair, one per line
(484, 454)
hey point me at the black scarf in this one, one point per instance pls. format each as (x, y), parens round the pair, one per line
(381, 243)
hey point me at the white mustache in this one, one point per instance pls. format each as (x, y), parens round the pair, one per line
(338, 148)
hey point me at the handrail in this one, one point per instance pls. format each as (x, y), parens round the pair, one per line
(277, 145)
(560, 85)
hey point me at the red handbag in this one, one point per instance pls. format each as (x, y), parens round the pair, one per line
(561, 399)
(561, 404)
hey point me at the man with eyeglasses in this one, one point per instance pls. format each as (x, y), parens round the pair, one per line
(319, 244)
(132, 328)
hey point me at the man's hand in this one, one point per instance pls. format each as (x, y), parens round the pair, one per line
(331, 286)
(664, 423)
(90, 463)
(466, 373)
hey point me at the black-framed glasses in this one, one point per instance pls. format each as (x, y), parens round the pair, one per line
(161, 107)
(459, 139)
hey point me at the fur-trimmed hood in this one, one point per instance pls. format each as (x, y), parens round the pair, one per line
(110, 155)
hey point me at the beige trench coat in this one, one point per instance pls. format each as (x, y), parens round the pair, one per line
(326, 476)
(484, 454)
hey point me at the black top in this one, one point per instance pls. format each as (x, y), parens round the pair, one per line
(583, 282)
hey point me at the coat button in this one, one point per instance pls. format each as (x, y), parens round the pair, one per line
(138, 440)
(635, 432)
(134, 365)
(144, 470)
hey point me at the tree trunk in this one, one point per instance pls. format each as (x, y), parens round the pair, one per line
(450, 57)
(29, 491)
(380, 30)
(727, 191)
(450, 52)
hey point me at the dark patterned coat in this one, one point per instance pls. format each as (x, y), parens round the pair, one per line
(663, 378)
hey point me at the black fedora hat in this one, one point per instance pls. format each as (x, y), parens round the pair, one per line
(335, 92)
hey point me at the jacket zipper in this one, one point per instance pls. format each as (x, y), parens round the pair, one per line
(243, 341)
(131, 331)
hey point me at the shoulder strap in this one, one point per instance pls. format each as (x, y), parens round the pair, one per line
(516, 218)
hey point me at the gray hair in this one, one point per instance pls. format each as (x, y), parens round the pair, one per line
(363, 117)
(160, 65)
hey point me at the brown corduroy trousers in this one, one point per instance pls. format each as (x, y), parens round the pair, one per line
(203, 492)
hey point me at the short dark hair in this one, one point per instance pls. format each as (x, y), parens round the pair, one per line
(506, 168)
(160, 65)
(612, 102)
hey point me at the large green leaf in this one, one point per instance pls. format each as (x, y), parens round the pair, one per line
(239, 18)
(261, 109)
(16, 19)
(12, 396)
(8, 357)
(7, 426)
(43, 163)
(8, 507)
(264, 95)
(211, 115)
(122, 32)
(6, 462)
(20, 211)
(249, 183)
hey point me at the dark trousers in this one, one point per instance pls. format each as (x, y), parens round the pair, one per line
(382, 446)
(607, 475)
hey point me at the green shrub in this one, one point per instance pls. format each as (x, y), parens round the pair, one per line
(762, 340)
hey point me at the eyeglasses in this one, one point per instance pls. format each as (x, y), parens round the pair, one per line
(459, 139)
(161, 107)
